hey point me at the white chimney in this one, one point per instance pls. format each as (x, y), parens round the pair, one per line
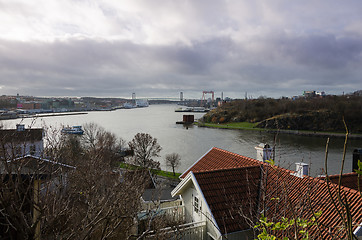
(301, 169)
(263, 152)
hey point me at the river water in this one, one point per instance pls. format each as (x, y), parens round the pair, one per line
(194, 142)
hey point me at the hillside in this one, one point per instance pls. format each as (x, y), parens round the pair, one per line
(315, 114)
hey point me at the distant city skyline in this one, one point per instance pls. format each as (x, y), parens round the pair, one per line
(220, 95)
(158, 49)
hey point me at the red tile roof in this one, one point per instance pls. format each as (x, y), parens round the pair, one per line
(224, 179)
(218, 158)
(229, 192)
(301, 197)
(348, 180)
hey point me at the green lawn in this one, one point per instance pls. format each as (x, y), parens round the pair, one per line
(252, 126)
(157, 172)
(233, 125)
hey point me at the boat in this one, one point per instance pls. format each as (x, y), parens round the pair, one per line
(142, 103)
(192, 109)
(199, 109)
(73, 130)
(188, 109)
(128, 105)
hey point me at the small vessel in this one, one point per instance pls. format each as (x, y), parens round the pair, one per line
(142, 103)
(188, 109)
(128, 105)
(73, 130)
(199, 109)
(192, 109)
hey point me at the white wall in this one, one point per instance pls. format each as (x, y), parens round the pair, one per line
(204, 215)
(24, 148)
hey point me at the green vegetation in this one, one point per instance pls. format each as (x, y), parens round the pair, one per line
(313, 114)
(269, 229)
(155, 171)
(232, 125)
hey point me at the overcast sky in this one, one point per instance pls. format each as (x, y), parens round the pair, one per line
(158, 48)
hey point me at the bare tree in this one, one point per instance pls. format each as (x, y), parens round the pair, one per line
(102, 143)
(145, 148)
(92, 200)
(173, 160)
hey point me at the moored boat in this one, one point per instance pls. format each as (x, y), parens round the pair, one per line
(73, 130)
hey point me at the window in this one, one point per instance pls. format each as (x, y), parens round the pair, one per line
(32, 149)
(18, 151)
(196, 204)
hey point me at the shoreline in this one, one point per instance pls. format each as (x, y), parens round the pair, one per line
(283, 131)
(51, 115)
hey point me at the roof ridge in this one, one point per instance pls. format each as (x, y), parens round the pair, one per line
(335, 184)
(315, 179)
(238, 155)
(224, 169)
(344, 174)
(184, 174)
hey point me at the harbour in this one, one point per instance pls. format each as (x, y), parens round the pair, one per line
(192, 142)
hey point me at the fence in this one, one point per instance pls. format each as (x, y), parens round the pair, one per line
(189, 231)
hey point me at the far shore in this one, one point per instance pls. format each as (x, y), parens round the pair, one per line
(53, 114)
(250, 126)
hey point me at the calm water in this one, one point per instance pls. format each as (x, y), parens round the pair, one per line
(194, 142)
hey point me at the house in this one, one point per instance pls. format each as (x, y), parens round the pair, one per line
(349, 180)
(20, 142)
(25, 177)
(24, 181)
(228, 193)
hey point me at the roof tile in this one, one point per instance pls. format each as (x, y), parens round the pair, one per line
(231, 184)
(218, 158)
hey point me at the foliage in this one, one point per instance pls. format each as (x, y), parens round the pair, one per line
(271, 230)
(232, 125)
(359, 170)
(317, 114)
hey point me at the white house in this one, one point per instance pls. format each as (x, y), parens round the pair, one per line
(213, 196)
(227, 193)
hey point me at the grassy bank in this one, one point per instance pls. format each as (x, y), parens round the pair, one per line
(252, 126)
(232, 125)
(155, 171)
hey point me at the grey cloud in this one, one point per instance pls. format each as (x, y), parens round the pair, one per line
(117, 68)
(324, 51)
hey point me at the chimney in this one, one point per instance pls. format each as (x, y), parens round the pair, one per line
(357, 155)
(301, 169)
(263, 152)
(20, 127)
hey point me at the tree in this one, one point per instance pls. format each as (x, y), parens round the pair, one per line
(173, 161)
(91, 200)
(103, 143)
(145, 148)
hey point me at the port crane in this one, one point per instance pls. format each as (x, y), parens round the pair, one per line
(203, 99)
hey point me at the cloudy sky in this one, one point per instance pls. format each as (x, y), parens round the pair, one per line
(157, 48)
